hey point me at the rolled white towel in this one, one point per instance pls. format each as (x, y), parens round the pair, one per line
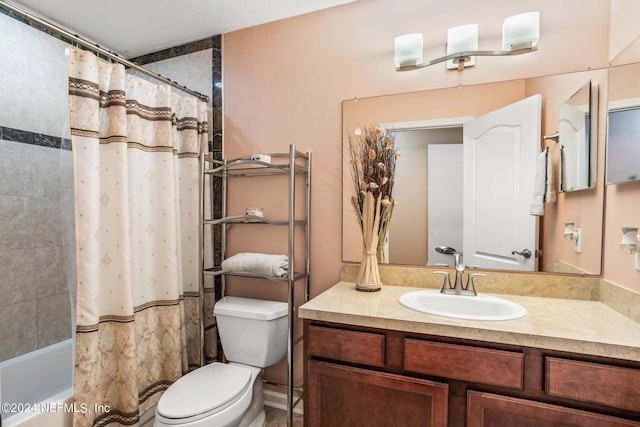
(276, 266)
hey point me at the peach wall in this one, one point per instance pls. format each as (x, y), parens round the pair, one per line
(625, 31)
(622, 210)
(284, 82)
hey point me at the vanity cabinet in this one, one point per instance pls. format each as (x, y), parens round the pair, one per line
(346, 383)
(359, 376)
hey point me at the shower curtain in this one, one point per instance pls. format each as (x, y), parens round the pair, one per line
(135, 150)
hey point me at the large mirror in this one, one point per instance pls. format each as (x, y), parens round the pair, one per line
(431, 173)
(576, 132)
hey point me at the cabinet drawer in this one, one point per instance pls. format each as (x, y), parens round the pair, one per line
(365, 348)
(488, 410)
(593, 382)
(478, 365)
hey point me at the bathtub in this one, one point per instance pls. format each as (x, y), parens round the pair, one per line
(36, 389)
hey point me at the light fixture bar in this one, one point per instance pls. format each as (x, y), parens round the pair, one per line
(520, 34)
(460, 57)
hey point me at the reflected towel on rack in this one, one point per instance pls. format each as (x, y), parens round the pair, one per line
(550, 194)
(543, 186)
(276, 266)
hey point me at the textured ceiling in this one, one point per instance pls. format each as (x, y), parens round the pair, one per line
(135, 27)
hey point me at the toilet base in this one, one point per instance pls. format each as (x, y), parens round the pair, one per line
(255, 415)
(259, 421)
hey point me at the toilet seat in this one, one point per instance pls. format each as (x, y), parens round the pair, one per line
(204, 392)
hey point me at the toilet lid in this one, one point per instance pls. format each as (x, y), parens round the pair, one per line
(206, 389)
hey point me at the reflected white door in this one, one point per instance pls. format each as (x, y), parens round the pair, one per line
(500, 153)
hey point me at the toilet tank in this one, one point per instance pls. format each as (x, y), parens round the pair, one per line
(252, 331)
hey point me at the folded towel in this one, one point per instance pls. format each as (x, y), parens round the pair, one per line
(539, 185)
(273, 266)
(550, 193)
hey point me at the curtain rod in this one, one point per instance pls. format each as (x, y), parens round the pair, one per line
(94, 47)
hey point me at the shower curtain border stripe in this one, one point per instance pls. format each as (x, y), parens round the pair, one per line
(148, 148)
(113, 139)
(124, 418)
(157, 303)
(87, 133)
(84, 88)
(85, 329)
(126, 319)
(95, 48)
(148, 113)
(119, 139)
(188, 155)
(153, 389)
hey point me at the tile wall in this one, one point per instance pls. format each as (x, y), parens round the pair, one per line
(36, 192)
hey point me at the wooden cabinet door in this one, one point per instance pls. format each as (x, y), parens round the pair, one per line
(344, 396)
(492, 410)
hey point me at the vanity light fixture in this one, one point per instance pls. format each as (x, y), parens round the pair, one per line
(520, 35)
(629, 243)
(571, 232)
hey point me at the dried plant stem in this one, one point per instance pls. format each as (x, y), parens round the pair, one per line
(385, 220)
(369, 275)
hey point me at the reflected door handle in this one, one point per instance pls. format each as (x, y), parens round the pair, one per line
(525, 253)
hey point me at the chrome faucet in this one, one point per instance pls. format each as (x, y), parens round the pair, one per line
(458, 288)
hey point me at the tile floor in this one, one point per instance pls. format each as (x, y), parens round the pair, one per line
(278, 418)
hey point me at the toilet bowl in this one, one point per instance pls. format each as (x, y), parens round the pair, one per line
(253, 334)
(217, 394)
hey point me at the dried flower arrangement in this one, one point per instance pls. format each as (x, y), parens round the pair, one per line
(373, 156)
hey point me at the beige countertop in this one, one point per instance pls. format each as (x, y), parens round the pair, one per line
(579, 326)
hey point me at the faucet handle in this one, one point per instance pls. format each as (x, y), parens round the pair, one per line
(447, 283)
(470, 288)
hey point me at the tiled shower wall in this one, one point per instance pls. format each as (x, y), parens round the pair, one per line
(36, 193)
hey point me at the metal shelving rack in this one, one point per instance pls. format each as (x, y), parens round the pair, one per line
(289, 164)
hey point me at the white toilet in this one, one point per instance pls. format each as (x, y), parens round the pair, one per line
(253, 334)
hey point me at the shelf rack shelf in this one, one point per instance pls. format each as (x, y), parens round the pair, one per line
(290, 165)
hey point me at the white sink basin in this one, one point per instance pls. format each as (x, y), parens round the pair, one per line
(480, 307)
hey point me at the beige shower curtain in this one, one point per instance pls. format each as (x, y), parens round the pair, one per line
(135, 151)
